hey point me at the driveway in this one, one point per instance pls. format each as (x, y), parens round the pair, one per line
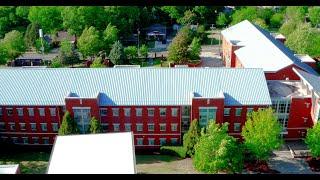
(210, 56)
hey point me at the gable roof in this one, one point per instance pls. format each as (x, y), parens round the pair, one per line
(108, 153)
(132, 86)
(261, 49)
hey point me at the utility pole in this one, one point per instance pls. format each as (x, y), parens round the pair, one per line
(41, 39)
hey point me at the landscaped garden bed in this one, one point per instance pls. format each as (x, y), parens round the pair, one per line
(259, 167)
(314, 163)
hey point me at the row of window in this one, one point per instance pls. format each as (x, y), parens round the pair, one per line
(12, 126)
(151, 141)
(237, 112)
(127, 112)
(139, 127)
(9, 111)
(25, 140)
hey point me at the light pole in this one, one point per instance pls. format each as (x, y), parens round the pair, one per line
(41, 39)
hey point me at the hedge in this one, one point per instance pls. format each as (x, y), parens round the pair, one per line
(179, 151)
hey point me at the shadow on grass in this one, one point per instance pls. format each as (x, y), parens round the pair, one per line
(156, 158)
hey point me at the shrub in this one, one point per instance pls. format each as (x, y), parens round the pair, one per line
(191, 138)
(179, 151)
(313, 140)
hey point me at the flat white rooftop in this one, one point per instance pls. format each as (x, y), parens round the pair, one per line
(109, 153)
(9, 169)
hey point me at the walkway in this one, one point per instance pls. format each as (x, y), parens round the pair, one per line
(210, 56)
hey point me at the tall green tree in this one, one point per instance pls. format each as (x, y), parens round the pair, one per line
(46, 45)
(31, 35)
(8, 19)
(313, 140)
(48, 17)
(260, 22)
(265, 14)
(188, 18)
(3, 54)
(276, 20)
(216, 151)
(95, 126)
(295, 13)
(314, 15)
(247, 13)
(178, 49)
(195, 49)
(116, 54)
(68, 125)
(68, 54)
(97, 63)
(131, 53)
(222, 20)
(89, 43)
(144, 50)
(288, 27)
(13, 42)
(110, 35)
(191, 138)
(261, 133)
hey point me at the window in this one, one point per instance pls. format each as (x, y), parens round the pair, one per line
(186, 110)
(53, 111)
(9, 111)
(103, 112)
(30, 111)
(25, 140)
(206, 114)
(138, 111)
(44, 127)
(0, 111)
(14, 140)
(163, 141)
(41, 111)
(20, 111)
(162, 111)
(82, 117)
(150, 111)
(2, 126)
(249, 110)
(226, 111)
(45, 140)
(127, 127)
(23, 126)
(115, 111)
(174, 141)
(151, 141)
(12, 126)
(127, 112)
(174, 112)
(139, 141)
(238, 111)
(150, 127)
(236, 127)
(163, 127)
(139, 127)
(35, 140)
(55, 127)
(283, 120)
(105, 127)
(116, 127)
(33, 126)
(174, 127)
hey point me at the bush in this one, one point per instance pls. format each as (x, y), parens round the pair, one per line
(313, 140)
(191, 138)
(179, 151)
(56, 63)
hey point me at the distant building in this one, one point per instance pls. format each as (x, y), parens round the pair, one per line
(58, 37)
(156, 32)
(34, 59)
(10, 169)
(111, 153)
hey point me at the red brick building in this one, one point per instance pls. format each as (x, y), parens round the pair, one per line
(246, 45)
(157, 105)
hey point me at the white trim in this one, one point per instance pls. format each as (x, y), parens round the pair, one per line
(209, 107)
(178, 134)
(81, 107)
(298, 128)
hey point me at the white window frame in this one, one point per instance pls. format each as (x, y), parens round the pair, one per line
(234, 127)
(3, 126)
(37, 138)
(10, 126)
(103, 125)
(163, 110)
(55, 125)
(139, 140)
(161, 140)
(42, 110)
(150, 124)
(138, 112)
(172, 139)
(139, 125)
(103, 114)
(150, 140)
(250, 110)
(116, 125)
(174, 127)
(163, 125)
(33, 130)
(20, 112)
(236, 112)
(22, 129)
(46, 129)
(228, 110)
(126, 110)
(23, 140)
(45, 138)
(15, 140)
(114, 110)
(9, 109)
(53, 112)
(29, 112)
(150, 110)
(1, 114)
(174, 112)
(207, 109)
(127, 125)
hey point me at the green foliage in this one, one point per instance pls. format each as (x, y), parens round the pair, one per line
(110, 35)
(191, 138)
(265, 14)
(68, 125)
(295, 13)
(261, 133)
(116, 54)
(131, 53)
(179, 151)
(288, 27)
(14, 44)
(175, 12)
(178, 49)
(31, 35)
(97, 63)
(144, 50)
(89, 43)
(94, 126)
(68, 54)
(201, 34)
(304, 40)
(3, 54)
(46, 45)
(216, 151)
(195, 49)
(247, 13)
(313, 140)
(276, 20)
(48, 17)
(23, 12)
(188, 18)
(66, 47)
(314, 15)
(56, 63)
(222, 20)
(7, 19)
(260, 22)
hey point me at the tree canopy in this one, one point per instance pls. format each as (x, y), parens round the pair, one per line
(191, 138)
(314, 15)
(89, 43)
(97, 63)
(313, 140)
(68, 125)
(110, 35)
(95, 126)
(116, 54)
(14, 45)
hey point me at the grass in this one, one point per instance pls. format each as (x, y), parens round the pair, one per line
(178, 151)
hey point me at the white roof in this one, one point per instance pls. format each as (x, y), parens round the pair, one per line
(261, 49)
(9, 169)
(110, 153)
(304, 58)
